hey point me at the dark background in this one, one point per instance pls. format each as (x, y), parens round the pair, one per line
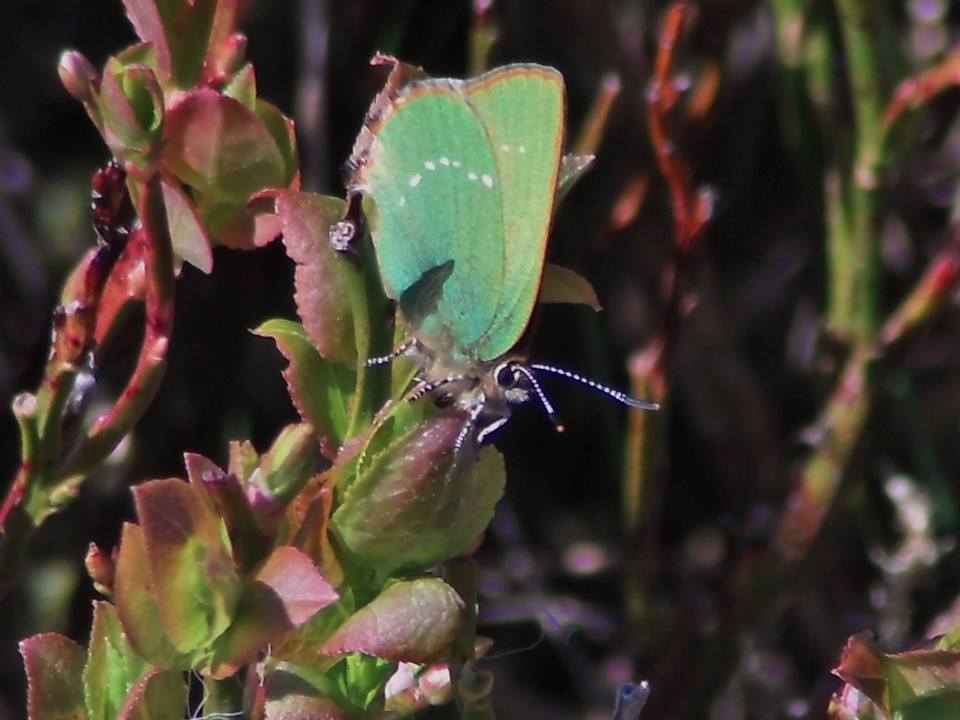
(747, 383)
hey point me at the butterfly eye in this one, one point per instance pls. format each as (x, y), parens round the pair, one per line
(443, 400)
(506, 376)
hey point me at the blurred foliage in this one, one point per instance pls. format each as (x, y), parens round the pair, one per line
(730, 611)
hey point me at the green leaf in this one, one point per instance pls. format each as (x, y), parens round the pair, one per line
(159, 695)
(411, 621)
(133, 591)
(318, 388)
(363, 679)
(112, 666)
(291, 461)
(131, 106)
(281, 128)
(562, 285)
(418, 502)
(938, 707)
(243, 460)
(324, 278)
(284, 594)
(243, 86)
(187, 231)
(54, 667)
(219, 146)
(194, 579)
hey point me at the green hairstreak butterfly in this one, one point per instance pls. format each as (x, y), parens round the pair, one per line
(459, 180)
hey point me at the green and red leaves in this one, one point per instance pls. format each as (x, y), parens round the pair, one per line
(218, 145)
(285, 593)
(184, 104)
(922, 684)
(112, 667)
(411, 621)
(107, 682)
(181, 600)
(192, 570)
(54, 666)
(419, 502)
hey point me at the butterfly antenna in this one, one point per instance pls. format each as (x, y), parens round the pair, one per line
(617, 395)
(547, 406)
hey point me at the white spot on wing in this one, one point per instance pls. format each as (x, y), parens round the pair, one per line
(415, 180)
(429, 165)
(456, 163)
(522, 150)
(471, 176)
(402, 201)
(488, 181)
(505, 148)
(445, 160)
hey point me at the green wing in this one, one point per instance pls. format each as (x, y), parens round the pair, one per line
(465, 172)
(522, 109)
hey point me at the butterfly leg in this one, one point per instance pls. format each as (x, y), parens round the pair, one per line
(473, 414)
(428, 386)
(410, 347)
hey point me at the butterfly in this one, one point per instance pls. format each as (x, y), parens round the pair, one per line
(459, 180)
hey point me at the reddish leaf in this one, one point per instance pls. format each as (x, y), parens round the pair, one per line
(898, 681)
(297, 583)
(414, 506)
(861, 666)
(160, 694)
(412, 621)
(194, 579)
(231, 500)
(324, 277)
(187, 232)
(291, 698)
(286, 592)
(218, 145)
(54, 666)
(562, 285)
(179, 29)
(137, 603)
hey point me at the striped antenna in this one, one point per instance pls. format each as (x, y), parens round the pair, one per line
(548, 408)
(617, 395)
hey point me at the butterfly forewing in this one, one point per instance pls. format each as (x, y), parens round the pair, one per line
(430, 174)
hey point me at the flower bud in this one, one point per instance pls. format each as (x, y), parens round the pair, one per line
(78, 75)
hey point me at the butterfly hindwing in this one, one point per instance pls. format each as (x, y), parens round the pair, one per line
(522, 109)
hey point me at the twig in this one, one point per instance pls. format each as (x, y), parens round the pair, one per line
(595, 125)
(649, 368)
(483, 35)
(44, 483)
